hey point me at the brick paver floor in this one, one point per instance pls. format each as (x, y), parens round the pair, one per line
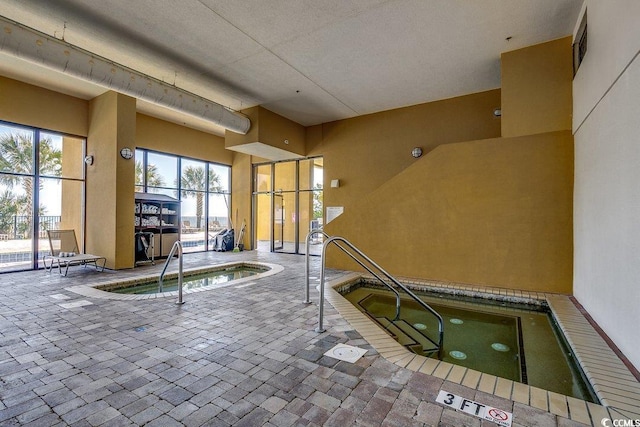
(243, 356)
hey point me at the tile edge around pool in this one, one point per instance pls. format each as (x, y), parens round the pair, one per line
(590, 349)
(89, 290)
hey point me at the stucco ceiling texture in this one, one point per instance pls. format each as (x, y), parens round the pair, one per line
(312, 61)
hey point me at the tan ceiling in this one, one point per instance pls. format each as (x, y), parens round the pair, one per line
(312, 61)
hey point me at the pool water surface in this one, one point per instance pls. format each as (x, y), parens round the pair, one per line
(209, 279)
(505, 340)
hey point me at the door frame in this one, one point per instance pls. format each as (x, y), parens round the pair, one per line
(277, 230)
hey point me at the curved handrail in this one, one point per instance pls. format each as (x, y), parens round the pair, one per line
(373, 273)
(385, 273)
(307, 275)
(177, 246)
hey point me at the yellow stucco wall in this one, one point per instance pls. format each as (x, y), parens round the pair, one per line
(34, 106)
(536, 88)
(484, 210)
(269, 130)
(166, 137)
(494, 212)
(366, 151)
(72, 203)
(280, 132)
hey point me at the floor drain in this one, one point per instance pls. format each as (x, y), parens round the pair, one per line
(345, 352)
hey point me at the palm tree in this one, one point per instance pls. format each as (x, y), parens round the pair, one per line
(8, 210)
(317, 201)
(16, 158)
(193, 178)
(154, 179)
(50, 158)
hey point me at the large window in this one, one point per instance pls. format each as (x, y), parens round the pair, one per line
(204, 189)
(41, 188)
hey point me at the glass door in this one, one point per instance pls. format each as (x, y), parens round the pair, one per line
(262, 207)
(310, 202)
(287, 205)
(285, 180)
(278, 222)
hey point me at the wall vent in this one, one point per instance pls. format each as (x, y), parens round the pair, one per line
(580, 44)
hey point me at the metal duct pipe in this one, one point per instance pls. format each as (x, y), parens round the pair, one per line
(33, 46)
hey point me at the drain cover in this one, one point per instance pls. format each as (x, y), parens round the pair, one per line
(347, 353)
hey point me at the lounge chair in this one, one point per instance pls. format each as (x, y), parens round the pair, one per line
(65, 252)
(186, 227)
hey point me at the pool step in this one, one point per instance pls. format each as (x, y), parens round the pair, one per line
(396, 332)
(405, 333)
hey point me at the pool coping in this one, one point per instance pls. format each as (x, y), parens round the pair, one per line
(616, 387)
(95, 292)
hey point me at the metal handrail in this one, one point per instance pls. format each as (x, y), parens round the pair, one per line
(312, 233)
(385, 273)
(176, 246)
(373, 273)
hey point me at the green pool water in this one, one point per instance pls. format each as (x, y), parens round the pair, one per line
(211, 279)
(508, 341)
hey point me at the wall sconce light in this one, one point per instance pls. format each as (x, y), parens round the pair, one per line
(88, 159)
(126, 153)
(335, 183)
(416, 152)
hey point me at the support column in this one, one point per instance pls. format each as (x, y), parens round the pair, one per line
(241, 196)
(110, 180)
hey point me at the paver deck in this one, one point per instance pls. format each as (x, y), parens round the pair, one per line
(243, 355)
